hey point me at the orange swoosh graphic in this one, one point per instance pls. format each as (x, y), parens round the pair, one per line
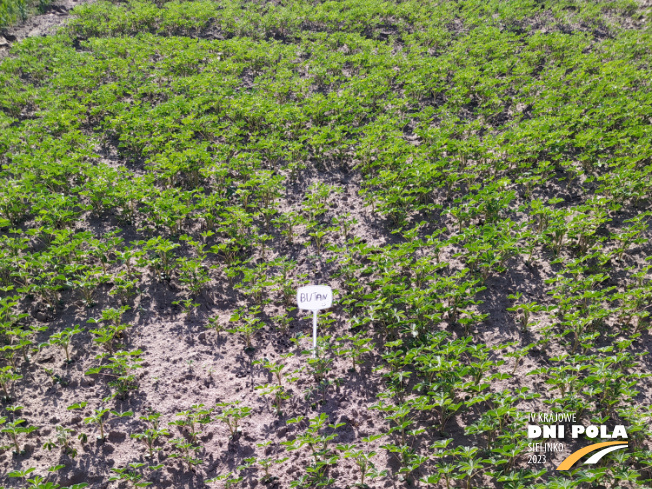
(575, 456)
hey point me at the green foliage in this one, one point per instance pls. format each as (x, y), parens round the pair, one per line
(192, 419)
(122, 366)
(64, 338)
(185, 451)
(358, 345)
(62, 440)
(98, 418)
(248, 324)
(15, 429)
(266, 463)
(362, 459)
(7, 379)
(110, 327)
(231, 414)
(12, 11)
(134, 474)
(39, 482)
(316, 438)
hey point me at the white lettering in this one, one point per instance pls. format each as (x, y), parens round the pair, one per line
(533, 431)
(592, 431)
(619, 431)
(576, 430)
(550, 431)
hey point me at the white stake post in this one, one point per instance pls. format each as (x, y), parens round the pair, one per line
(314, 298)
(314, 333)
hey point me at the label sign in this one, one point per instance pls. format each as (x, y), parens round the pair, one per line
(315, 297)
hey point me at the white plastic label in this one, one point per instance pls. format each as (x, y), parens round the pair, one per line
(315, 297)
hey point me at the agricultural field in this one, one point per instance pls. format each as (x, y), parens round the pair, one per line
(472, 178)
(13, 11)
